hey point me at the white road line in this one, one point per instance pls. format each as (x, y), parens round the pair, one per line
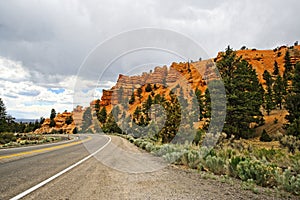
(19, 196)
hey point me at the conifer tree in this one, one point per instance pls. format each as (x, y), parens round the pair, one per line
(244, 94)
(268, 97)
(278, 88)
(293, 104)
(102, 115)
(276, 69)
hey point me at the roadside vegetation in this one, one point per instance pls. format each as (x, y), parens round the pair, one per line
(248, 102)
(273, 168)
(16, 140)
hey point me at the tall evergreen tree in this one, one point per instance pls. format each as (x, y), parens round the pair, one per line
(102, 115)
(293, 104)
(276, 69)
(244, 94)
(52, 116)
(200, 103)
(278, 88)
(97, 106)
(3, 115)
(287, 62)
(268, 97)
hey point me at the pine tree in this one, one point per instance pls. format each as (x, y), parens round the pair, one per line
(3, 115)
(200, 103)
(110, 126)
(278, 88)
(52, 116)
(268, 97)
(97, 106)
(102, 115)
(148, 88)
(276, 69)
(132, 99)
(287, 62)
(293, 104)
(244, 94)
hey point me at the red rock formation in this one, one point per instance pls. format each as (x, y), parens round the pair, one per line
(60, 124)
(192, 75)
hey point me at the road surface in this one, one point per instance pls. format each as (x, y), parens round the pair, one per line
(110, 175)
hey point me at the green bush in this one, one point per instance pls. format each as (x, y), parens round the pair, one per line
(173, 157)
(232, 165)
(291, 142)
(289, 181)
(262, 174)
(216, 164)
(265, 137)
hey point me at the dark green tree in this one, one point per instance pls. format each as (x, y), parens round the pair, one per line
(102, 115)
(268, 96)
(278, 89)
(139, 92)
(244, 95)
(293, 105)
(110, 126)
(265, 137)
(3, 116)
(148, 88)
(132, 99)
(52, 116)
(275, 69)
(200, 103)
(287, 63)
(53, 113)
(97, 106)
(69, 120)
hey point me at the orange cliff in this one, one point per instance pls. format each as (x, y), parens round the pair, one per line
(194, 74)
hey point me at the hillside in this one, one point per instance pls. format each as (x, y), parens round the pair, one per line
(190, 76)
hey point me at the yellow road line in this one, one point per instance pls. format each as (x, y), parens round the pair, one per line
(45, 149)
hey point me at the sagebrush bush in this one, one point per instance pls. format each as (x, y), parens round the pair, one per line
(262, 174)
(291, 142)
(216, 164)
(232, 165)
(289, 181)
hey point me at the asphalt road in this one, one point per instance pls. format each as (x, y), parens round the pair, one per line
(31, 165)
(113, 168)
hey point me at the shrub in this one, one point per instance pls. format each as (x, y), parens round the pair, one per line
(289, 182)
(216, 164)
(265, 137)
(262, 174)
(191, 158)
(290, 142)
(174, 157)
(232, 165)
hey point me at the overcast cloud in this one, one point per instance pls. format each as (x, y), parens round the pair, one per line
(43, 43)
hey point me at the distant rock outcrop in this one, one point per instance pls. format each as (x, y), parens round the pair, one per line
(61, 125)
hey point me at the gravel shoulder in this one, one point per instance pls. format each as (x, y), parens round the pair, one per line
(95, 180)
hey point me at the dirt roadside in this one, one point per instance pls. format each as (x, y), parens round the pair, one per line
(94, 180)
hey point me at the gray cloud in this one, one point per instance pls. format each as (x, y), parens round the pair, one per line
(53, 37)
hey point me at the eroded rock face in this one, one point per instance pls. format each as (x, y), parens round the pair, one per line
(60, 124)
(192, 75)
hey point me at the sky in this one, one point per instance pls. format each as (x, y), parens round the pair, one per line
(57, 54)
